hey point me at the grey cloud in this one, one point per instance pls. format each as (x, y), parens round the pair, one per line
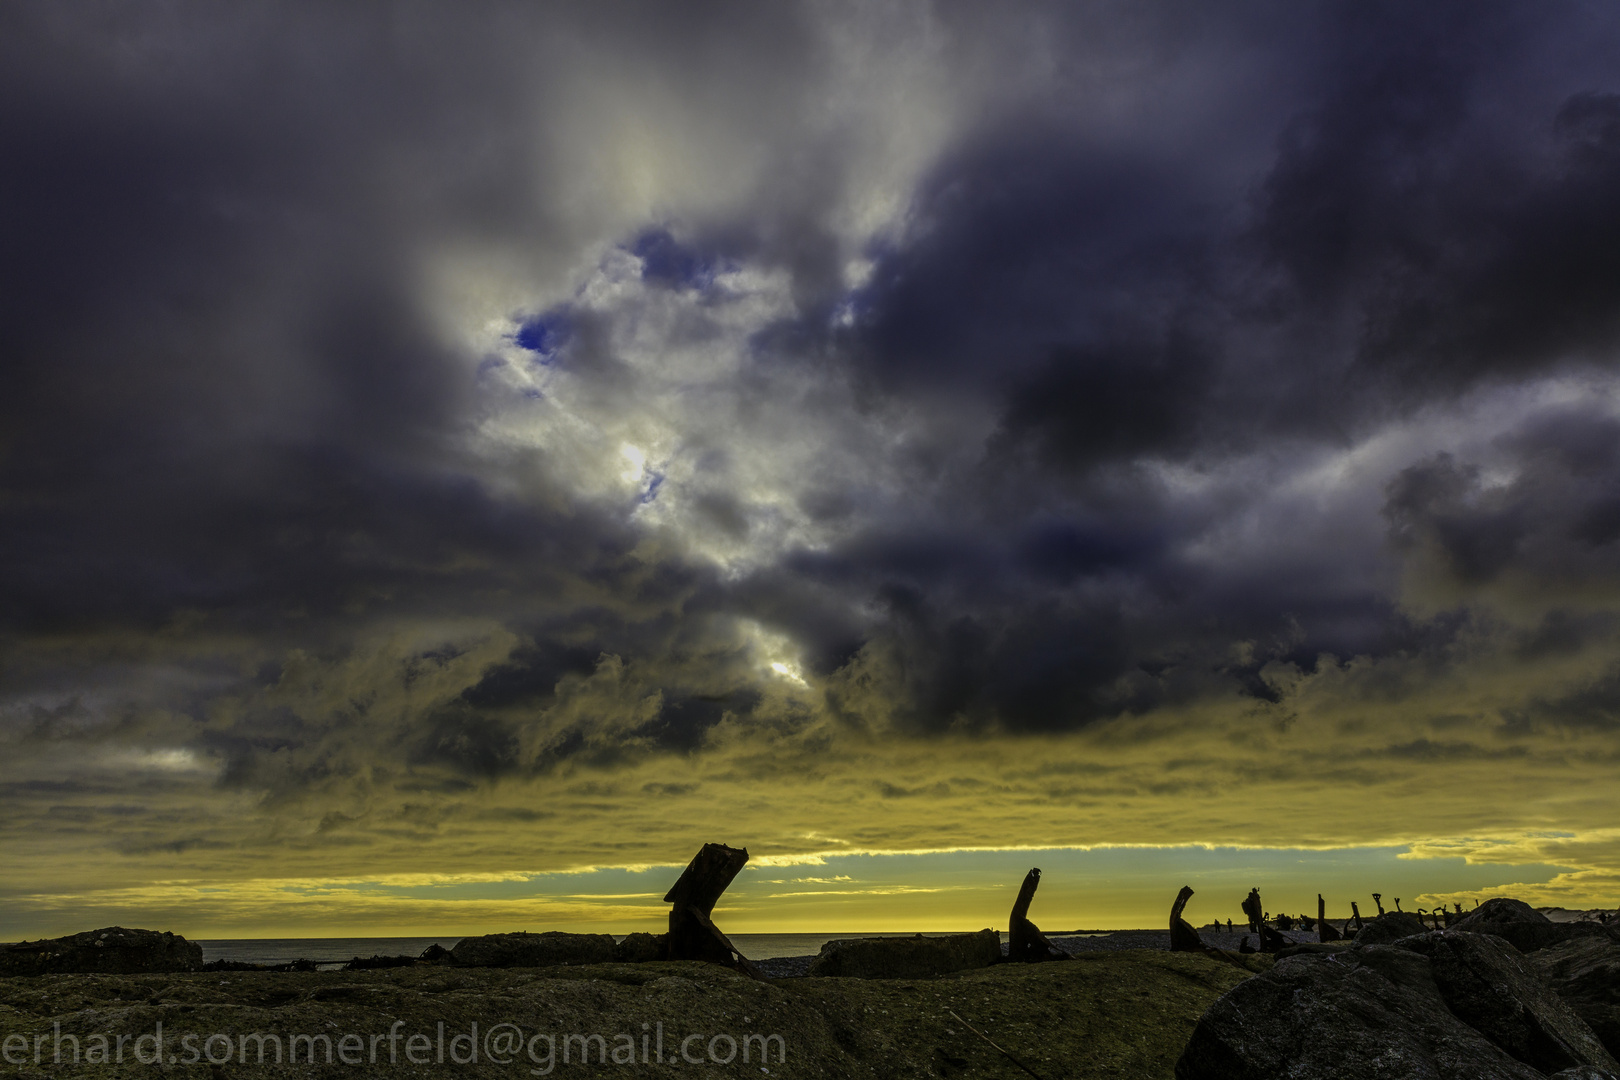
(1093, 338)
(1547, 520)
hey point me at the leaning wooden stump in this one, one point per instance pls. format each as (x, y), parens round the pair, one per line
(1270, 940)
(1025, 942)
(1325, 931)
(692, 933)
(1183, 937)
(1253, 909)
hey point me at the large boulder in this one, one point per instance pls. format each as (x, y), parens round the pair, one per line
(550, 949)
(1388, 928)
(639, 948)
(907, 958)
(1521, 925)
(1585, 973)
(111, 951)
(1364, 1014)
(1488, 985)
(1444, 1005)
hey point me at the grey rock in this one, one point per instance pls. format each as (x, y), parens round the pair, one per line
(1488, 985)
(1583, 1072)
(1361, 1014)
(112, 951)
(907, 958)
(1389, 927)
(1521, 925)
(640, 948)
(1318, 948)
(1585, 973)
(550, 949)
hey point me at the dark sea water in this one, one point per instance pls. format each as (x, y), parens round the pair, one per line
(340, 950)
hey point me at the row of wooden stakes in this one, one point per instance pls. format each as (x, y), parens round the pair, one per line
(694, 936)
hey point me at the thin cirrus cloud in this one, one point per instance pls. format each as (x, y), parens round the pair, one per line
(511, 434)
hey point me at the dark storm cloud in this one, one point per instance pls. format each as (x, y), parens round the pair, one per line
(231, 393)
(1548, 519)
(1445, 213)
(1416, 235)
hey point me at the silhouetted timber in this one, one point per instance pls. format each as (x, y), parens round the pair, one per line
(1270, 940)
(1378, 898)
(1025, 942)
(1252, 908)
(1325, 931)
(1355, 914)
(692, 933)
(1183, 938)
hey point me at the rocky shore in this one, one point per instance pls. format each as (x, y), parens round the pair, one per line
(1126, 1013)
(1504, 993)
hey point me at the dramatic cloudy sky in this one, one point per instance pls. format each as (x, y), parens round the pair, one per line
(457, 459)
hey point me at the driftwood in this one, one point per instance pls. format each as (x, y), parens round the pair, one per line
(1355, 914)
(1025, 942)
(1325, 931)
(1378, 898)
(1252, 908)
(1270, 940)
(692, 933)
(1183, 938)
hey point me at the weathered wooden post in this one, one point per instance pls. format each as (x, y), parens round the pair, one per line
(692, 933)
(1183, 937)
(1253, 909)
(1378, 898)
(1025, 942)
(1270, 940)
(1325, 931)
(1355, 913)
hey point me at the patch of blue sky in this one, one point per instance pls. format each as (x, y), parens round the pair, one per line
(1074, 881)
(666, 261)
(653, 485)
(543, 334)
(1288, 878)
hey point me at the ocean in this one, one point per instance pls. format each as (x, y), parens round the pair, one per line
(331, 952)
